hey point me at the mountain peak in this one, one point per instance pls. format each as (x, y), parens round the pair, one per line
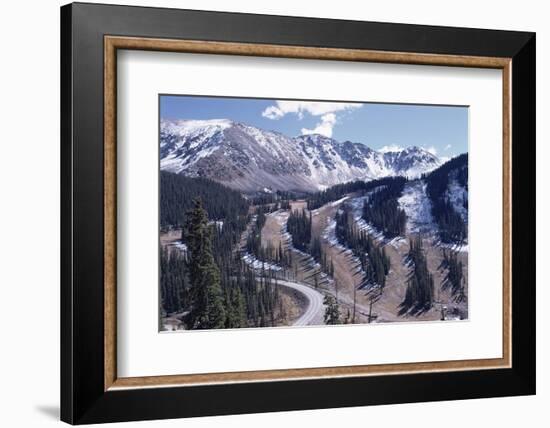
(417, 149)
(249, 159)
(314, 137)
(192, 124)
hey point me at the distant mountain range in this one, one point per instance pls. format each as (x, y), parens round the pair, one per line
(250, 159)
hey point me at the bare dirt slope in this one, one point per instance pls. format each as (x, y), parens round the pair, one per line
(347, 272)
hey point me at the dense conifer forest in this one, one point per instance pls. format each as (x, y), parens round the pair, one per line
(178, 192)
(206, 284)
(174, 280)
(279, 197)
(209, 285)
(452, 227)
(318, 199)
(382, 209)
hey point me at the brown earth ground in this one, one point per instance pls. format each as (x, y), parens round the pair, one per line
(167, 239)
(303, 272)
(347, 272)
(388, 306)
(298, 205)
(293, 305)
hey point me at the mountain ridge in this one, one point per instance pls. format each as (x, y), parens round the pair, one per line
(249, 159)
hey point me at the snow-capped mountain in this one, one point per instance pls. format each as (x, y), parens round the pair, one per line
(251, 159)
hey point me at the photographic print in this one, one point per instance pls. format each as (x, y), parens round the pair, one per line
(281, 213)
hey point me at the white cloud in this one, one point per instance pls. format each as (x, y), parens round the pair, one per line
(281, 108)
(324, 127)
(431, 150)
(324, 109)
(447, 147)
(391, 148)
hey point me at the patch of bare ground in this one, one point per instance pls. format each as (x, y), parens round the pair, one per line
(172, 322)
(170, 237)
(347, 275)
(298, 205)
(347, 272)
(272, 234)
(388, 306)
(171, 240)
(443, 293)
(292, 305)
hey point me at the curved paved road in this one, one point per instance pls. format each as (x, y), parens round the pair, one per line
(315, 309)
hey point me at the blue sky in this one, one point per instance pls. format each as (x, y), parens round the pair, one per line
(441, 129)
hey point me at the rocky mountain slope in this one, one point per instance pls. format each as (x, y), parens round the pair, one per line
(250, 159)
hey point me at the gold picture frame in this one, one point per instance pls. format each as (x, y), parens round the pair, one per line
(114, 43)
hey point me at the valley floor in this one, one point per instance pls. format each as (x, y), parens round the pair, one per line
(347, 277)
(303, 284)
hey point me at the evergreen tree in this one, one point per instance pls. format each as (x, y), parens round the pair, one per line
(207, 310)
(419, 295)
(174, 280)
(336, 192)
(455, 277)
(299, 227)
(374, 261)
(382, 209)
(332, 310)
(177, 195)
(452, 228)
(236, 309)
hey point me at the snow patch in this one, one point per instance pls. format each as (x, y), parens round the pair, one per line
(339, 201)
(458, 195)
(418, 207)
(256, 264)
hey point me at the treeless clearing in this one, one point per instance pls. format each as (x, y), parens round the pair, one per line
(170, 237)
(293, 305)
(298, 205)
(272, 233)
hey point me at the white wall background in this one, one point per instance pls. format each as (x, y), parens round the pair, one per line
(29, 213)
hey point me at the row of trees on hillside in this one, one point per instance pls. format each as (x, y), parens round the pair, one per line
(419, 296)
(382, 209)
(254, 236)
(269, 252)
(317, 200)
(320, 256)
(279, 196)
(374, 261)
(299, 227)
(455, 276)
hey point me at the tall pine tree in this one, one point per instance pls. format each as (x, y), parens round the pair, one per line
(207, 310)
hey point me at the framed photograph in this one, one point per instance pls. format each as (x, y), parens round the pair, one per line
(265, 213)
